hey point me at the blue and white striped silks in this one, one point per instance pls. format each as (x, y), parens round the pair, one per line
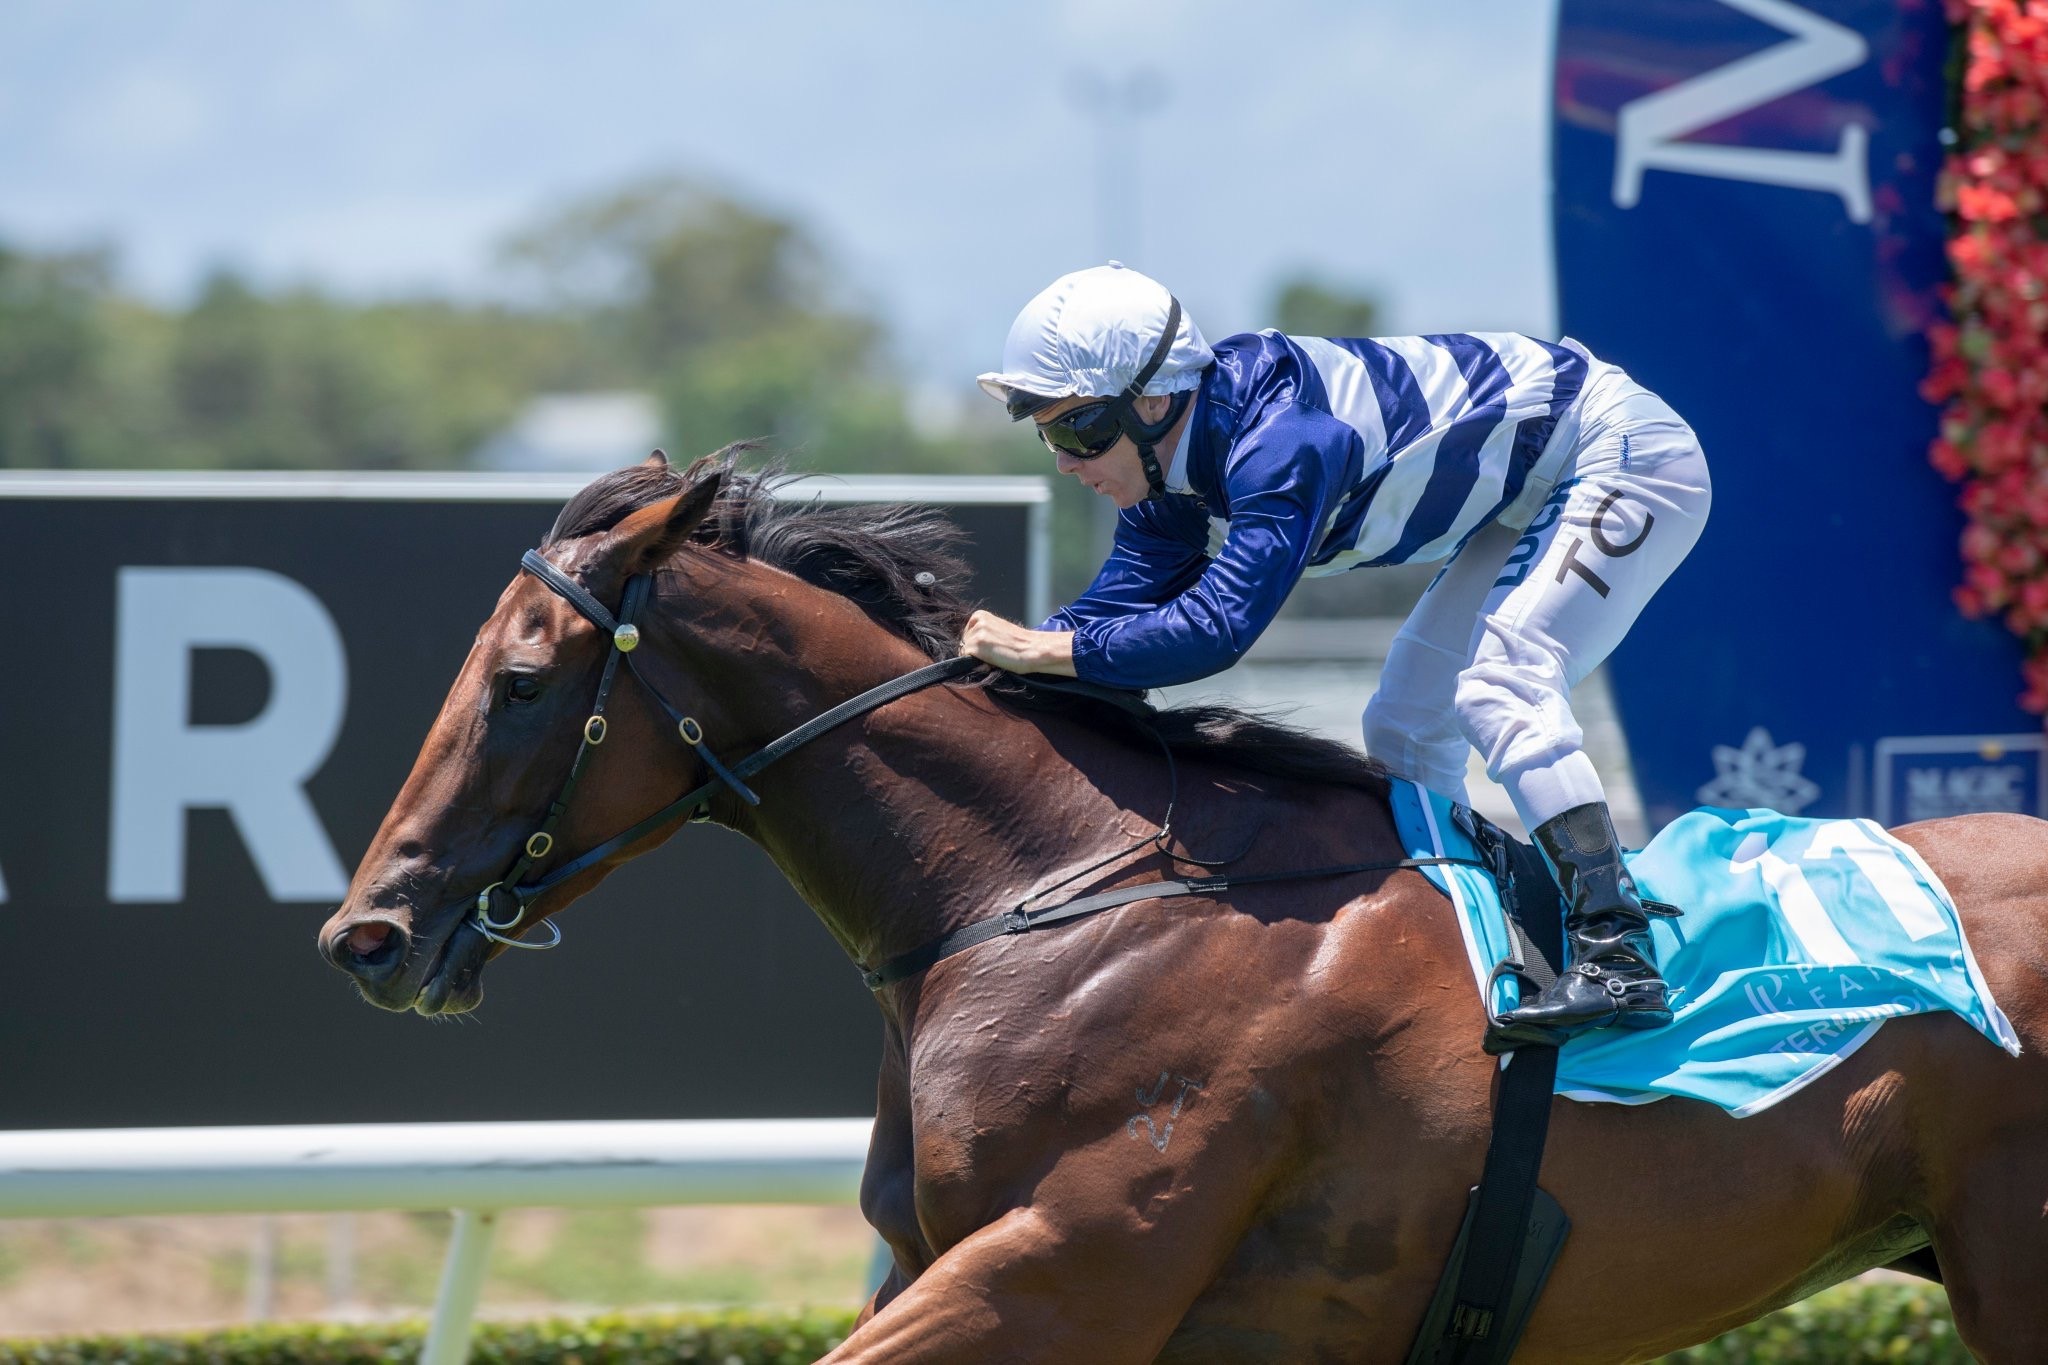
(1308, 456)
(1800, 938)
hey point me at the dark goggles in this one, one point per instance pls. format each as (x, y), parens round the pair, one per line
(1091, 429)
(1084, 432)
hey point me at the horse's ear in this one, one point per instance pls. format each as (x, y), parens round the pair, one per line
(648, 538)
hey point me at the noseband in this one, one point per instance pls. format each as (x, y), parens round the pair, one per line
(496, 923)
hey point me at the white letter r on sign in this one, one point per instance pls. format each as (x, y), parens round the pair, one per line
(164, 765)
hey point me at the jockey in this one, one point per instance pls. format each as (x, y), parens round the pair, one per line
(1559, 492)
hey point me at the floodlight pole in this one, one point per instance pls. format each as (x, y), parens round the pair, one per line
(1114, 104)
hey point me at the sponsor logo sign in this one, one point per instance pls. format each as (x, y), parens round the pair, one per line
(215, 687)
(1931, 777)
(1745, 222)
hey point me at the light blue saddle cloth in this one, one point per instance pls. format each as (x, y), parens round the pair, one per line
(1799, 939)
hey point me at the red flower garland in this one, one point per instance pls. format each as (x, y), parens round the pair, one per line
(1991, 362)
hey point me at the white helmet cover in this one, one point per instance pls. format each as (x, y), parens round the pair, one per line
(1091, 332)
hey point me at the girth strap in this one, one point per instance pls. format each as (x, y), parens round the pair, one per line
(1482, 1329)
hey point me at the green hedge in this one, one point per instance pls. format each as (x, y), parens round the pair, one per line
(638, 1339)
(1877, 1324)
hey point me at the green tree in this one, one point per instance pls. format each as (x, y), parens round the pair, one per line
(668, 266)
(302, 380)
(70, 352)
(735, 317)
(1309, 307)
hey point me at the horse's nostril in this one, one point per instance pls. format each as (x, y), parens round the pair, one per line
(365, 939)
(369, 948)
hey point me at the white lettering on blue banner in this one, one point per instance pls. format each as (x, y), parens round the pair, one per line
(1650, 130)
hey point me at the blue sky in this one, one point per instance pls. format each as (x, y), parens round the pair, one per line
(937, 149)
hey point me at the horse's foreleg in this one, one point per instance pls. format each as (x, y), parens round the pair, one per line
(1096, 1259)
(888, 1187)
(1034, 1287)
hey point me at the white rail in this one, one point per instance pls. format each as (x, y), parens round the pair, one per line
(475, 1169)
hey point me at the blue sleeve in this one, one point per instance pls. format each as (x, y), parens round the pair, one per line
(1157, 555)
(1281, 480)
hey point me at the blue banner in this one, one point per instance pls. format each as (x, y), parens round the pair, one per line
(1745, 221)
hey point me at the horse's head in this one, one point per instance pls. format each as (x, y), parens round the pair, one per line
(501, 751)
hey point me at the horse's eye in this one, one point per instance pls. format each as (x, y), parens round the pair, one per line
(523, 688)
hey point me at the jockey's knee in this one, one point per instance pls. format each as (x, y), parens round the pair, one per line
(1384, 735)
(1520, 720)
(1515, 713)
(1419, 743)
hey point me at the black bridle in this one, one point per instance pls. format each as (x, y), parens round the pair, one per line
(625, 638)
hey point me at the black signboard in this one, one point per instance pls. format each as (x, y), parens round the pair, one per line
(213, 688)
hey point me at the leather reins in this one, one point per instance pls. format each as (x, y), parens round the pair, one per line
(625, 638)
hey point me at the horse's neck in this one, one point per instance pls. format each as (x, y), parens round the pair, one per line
(941, 809)
(945, 807)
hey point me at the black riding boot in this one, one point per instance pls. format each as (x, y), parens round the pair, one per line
(1611, 977)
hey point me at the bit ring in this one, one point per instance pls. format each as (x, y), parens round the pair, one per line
(553, 929)
(483, 910)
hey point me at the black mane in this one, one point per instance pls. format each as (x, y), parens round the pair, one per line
(878, 555)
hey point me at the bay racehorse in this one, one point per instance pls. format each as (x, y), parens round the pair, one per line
(1237, 1127)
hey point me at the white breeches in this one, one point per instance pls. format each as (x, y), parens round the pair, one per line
(1534, 602)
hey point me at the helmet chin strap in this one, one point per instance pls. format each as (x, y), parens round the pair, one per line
(1147, 436)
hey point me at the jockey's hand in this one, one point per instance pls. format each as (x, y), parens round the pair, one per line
(1016, 648)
